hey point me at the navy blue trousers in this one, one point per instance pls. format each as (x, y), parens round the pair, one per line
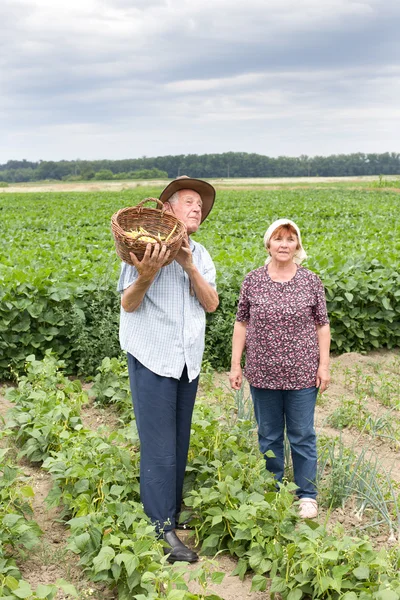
(163, 410)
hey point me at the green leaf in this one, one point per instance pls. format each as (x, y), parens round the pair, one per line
(361, 573)
(329, 583)
(11, 582)
(81, 541)
(174, 595)
(211, 541)
(241, 568)
(102, 562)
(11, 519)
(217, 577)
(81, 486)
(294, 594)
(330, 555)
(44, 591)
(386, 595)
(349, 296)
(130, 561)
(243, 534)
(23, 590)
(258, 583)
(67, 588)
(27, 491)
(278, 585)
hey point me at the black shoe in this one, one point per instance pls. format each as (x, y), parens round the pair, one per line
(177, 550)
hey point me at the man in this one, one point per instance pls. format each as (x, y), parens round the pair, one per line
(162, 330)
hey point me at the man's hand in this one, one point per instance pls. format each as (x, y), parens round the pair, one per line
(152, 261)
(184, 256)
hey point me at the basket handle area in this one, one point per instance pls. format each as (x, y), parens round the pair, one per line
(160, 204)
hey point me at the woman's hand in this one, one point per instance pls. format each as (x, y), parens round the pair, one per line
(236, 378)
(323, 378)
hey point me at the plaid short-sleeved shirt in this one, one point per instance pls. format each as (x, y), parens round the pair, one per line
(167, 330)
(282, 349)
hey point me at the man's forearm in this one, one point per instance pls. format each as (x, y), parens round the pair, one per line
(205, 293)
(134, 294)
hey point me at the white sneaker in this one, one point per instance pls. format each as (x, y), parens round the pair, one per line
(308, 508)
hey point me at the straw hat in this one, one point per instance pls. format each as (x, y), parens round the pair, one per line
(206, 191)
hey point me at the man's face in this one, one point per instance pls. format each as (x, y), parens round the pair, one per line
(187, 209)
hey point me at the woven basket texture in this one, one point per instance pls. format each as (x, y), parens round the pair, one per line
(155, 221)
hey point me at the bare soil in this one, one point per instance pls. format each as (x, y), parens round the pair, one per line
(51, 560)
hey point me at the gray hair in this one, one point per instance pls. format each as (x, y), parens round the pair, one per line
(174, 198)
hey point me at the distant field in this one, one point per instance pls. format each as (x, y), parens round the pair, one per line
(94, 186)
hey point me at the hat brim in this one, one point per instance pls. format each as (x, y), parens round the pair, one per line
(205, 189)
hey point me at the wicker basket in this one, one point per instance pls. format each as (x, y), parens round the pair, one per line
(155, 221)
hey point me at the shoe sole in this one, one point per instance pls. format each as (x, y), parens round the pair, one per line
(174, 560)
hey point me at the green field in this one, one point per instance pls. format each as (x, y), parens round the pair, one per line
(59, 270)
(58, 274)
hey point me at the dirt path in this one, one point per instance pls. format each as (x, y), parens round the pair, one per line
(50, 559)
(231, 587)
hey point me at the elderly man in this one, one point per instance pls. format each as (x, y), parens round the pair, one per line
(162, 330)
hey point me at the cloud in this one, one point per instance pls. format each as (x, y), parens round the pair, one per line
(79, 76)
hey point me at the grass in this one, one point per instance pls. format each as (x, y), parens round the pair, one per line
(352, 473)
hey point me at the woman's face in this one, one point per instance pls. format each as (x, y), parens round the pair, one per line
(283, 246)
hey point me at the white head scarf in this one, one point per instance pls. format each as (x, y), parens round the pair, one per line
(300, 253)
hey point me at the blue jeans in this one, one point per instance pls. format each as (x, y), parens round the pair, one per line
(294, 408)
(163, 409)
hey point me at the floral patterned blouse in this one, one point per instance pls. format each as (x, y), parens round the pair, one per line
(282, 351)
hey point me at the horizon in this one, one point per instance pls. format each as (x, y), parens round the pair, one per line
(125, 158)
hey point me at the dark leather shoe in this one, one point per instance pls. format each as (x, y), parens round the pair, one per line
(177, 550)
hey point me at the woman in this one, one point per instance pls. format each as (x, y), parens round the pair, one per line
(283, 324)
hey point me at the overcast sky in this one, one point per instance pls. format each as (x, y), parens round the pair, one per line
(115, 79)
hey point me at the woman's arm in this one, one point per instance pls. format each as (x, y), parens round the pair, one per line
(324, 342)
(238, 345)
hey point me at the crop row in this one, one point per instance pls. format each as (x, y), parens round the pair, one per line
(19, 531)
(95, 480)
(58, 268)
(233, 503)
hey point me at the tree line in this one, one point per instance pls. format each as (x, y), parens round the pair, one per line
(225, 165)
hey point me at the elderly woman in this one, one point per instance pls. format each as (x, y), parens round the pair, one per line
(282, 324)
